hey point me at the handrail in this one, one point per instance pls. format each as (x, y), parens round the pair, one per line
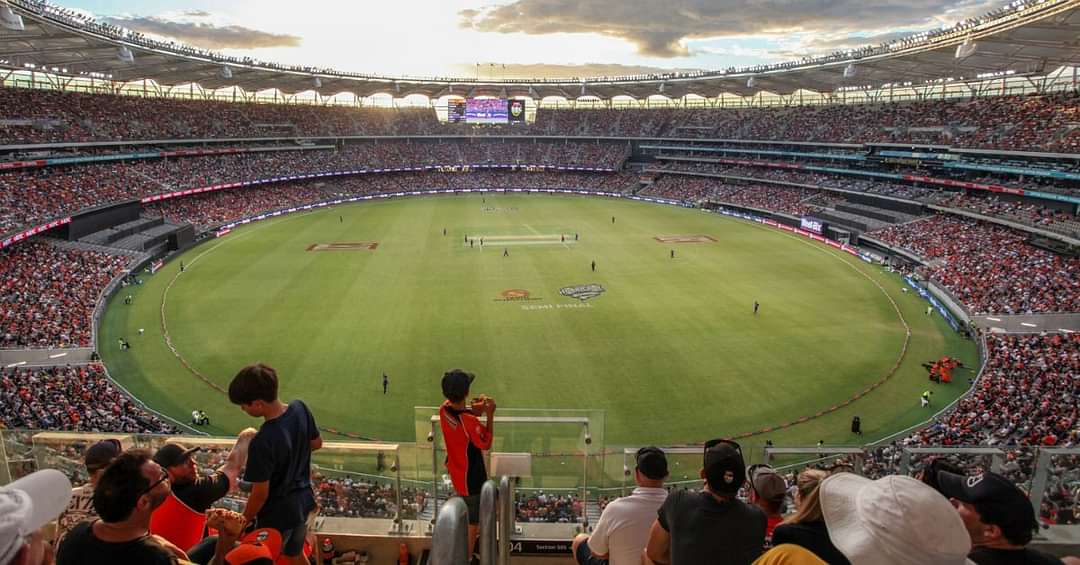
(507, 514)
(450, 540)
(489, 513)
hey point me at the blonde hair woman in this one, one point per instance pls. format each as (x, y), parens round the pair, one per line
(806, 527)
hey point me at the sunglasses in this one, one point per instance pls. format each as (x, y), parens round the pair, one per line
(153, 485)
(714, 442)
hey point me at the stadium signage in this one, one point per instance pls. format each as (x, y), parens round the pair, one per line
(582, 292)
(539, 547)
(33, 231)
(516, 295)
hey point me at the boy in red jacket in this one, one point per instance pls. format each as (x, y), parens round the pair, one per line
(465, 439)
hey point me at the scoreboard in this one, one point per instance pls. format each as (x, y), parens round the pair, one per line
(486, 111)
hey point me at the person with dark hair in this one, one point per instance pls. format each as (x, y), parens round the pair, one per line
(385, 384)
(998, 517)
(856, 425)
(700, 526)
(279, 458)
(127, 493)
(465, 438)
(620, 534)
(181, 519)
(81, 507)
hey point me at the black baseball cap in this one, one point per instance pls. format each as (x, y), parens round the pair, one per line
(725, 470)
(998, 501)
(652, 463)
(100, 454)
(455, 384)
(172, 454)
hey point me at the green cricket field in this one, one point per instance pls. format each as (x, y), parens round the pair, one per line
(661, 335)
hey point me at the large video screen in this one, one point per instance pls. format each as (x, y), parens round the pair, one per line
(487, 111)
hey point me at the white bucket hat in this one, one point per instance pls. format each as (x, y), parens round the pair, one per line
(28, 504)
(895, 520)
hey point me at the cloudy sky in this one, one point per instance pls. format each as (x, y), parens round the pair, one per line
(529, 37)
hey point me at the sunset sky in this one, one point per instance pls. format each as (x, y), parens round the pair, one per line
(514, 38)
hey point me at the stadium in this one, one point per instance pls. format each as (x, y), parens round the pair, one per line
(862, 262)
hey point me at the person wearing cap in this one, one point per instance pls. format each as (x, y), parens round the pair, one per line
(279, 458)
(895, 520)
(623, 528)
(465, 439)
(700, 526)
(181, 519)
(81, 507)
(998, 517)
(26, 506)
(767, 492)
(127, 493)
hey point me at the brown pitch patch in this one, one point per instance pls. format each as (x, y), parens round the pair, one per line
(684, 238)
(344, 246)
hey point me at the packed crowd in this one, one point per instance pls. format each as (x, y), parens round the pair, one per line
(227, 205)
(1034, 122)
(31, 197)
(349, 498)
(1027, 212)
(990, 268)
(793, 201)
(548, 507)
(856, 184)
(211, 208)
(48, 294)
(71, 398)
(1018, 211)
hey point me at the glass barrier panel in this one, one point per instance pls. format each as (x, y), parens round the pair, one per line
(550, 451)
(1058, 481)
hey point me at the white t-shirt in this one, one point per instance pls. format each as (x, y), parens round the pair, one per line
(80, 509)
(623, 528)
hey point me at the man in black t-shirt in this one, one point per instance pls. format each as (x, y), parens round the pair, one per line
(127, 493)
(998, 517)
(698, 527)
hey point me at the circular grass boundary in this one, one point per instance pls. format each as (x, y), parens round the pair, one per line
(768, 429)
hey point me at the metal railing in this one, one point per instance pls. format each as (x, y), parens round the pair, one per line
(489, 510)
(450, 540)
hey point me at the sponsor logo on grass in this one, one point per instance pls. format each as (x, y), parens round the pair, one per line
(344, 246)
(516, 295)
(582, 292)
(684, 239)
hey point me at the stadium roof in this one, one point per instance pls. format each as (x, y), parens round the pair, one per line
(1027, 37)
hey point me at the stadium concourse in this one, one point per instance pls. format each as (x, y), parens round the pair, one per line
(1009, 251)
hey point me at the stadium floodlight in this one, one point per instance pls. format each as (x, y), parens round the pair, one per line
(125, 55)
(10, 20)
(751, 82)
(849, 70)
(317, 82)
(966, 49)
(226, 72)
